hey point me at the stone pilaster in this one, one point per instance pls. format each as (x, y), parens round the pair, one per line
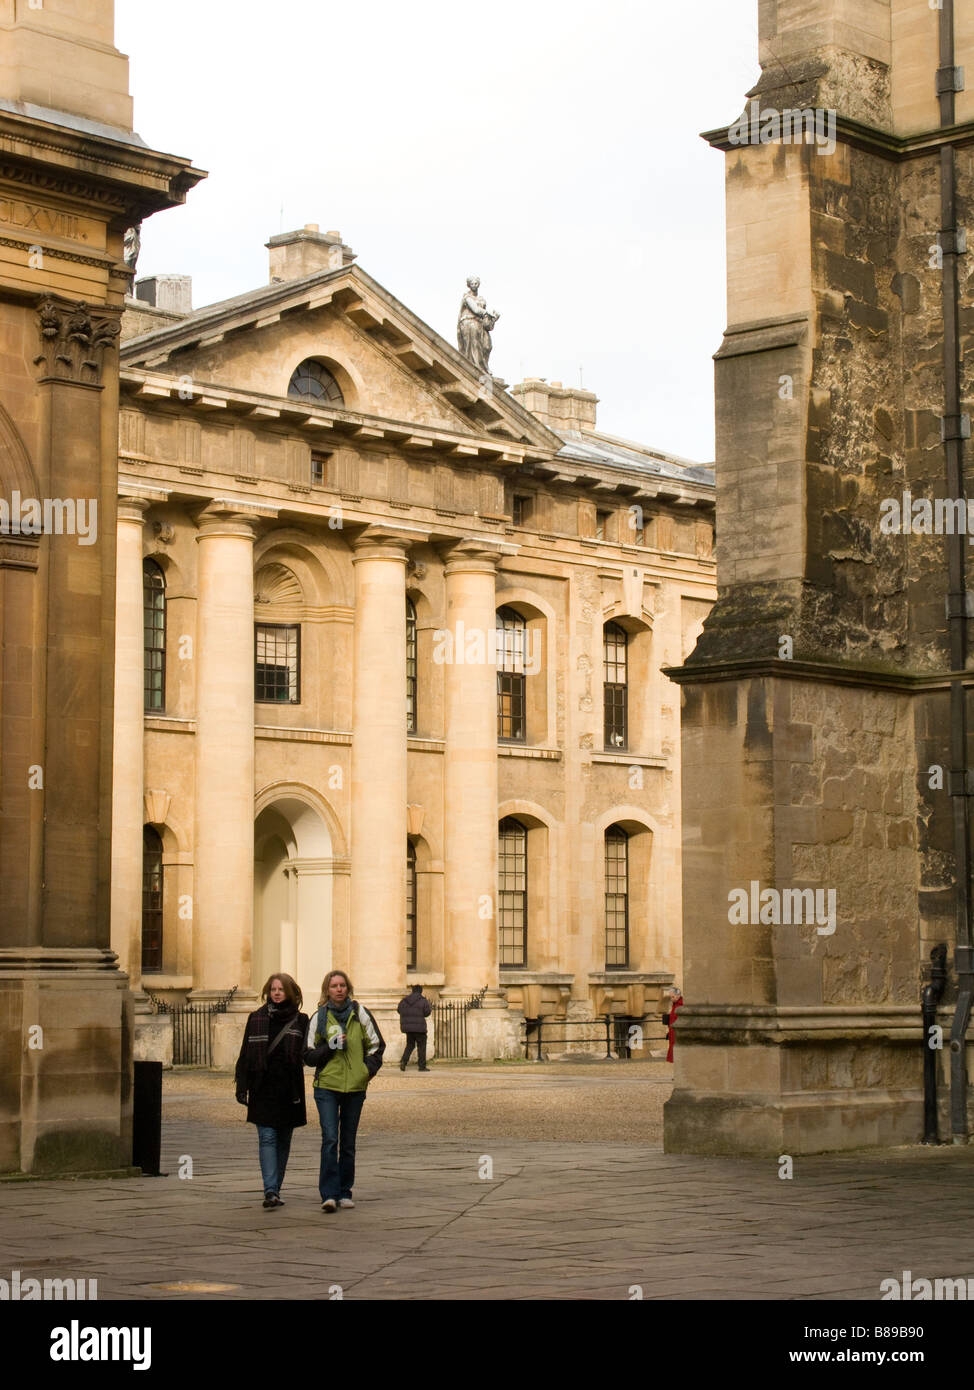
(128, 812)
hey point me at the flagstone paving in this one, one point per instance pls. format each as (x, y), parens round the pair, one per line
(479, 1213)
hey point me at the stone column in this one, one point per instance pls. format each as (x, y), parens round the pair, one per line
(224, 897)
(128, 813)
(470, 797)
(377, 959)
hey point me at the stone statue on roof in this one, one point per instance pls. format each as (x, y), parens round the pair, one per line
(474, 326)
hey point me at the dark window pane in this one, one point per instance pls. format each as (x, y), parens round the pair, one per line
(154, 628)
(512, 893)
(511, 661)
(151, 901)
(615, 654)
(277, 663)
(616, 899)
(410, 906)
(410, 667)
(312, 381)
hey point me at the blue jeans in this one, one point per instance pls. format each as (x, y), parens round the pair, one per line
(275, 1145)
(336, 1176)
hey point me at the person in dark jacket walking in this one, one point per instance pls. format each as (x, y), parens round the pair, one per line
(414, 1010)
(270, 1078)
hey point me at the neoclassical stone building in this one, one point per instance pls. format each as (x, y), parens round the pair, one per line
(388, 674)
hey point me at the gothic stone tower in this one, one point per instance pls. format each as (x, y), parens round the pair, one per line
(826, 712)
(73, 177)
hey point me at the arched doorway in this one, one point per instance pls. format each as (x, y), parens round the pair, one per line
(293, 894)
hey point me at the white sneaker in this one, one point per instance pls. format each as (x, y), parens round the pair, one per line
(329, 1206)
(346, 1202)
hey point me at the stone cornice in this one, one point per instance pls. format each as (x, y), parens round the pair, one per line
(777, 1025)
(879, 142)
(825, 672)
(91, 167)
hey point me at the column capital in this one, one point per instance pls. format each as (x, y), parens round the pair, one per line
(134, 500)
(384, 542)
(476, 555)
(230, 516)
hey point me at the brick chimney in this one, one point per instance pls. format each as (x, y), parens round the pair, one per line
(297, 254)
(567, 409)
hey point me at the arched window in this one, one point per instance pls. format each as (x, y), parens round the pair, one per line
(151, 901)
(410, 667)
(512, 893)
(410, 905)
(615, 660)
(154, 639)
(616, 898)
(311, 381)
(511, 654)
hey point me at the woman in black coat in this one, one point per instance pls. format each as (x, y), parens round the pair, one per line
(270, 1078)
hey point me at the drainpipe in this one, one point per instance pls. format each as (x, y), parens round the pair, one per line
(931, 997)
(955, 428)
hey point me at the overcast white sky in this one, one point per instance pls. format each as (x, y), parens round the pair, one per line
(550, 146)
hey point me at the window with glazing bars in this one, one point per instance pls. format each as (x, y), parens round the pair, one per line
(511, 651)
(154, 640)
(616, 677)
(616, 899)
(410, 667)
(277, 663)
(410, 905)
(151, 901)
(512, 894)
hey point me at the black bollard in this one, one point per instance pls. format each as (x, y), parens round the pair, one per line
(147, 1118)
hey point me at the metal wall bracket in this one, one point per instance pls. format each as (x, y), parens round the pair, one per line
(960, 605)
(950, 80)
(955, 427)
(953, 241)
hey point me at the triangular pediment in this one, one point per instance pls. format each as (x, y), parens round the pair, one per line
(388, 363)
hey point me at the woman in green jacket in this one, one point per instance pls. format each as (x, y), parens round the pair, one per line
(345, 1048)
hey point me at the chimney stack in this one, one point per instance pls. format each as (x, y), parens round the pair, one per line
(565, 409)
(174, 293)
(293, 255)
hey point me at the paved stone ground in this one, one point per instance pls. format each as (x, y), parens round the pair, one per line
(562, 1217)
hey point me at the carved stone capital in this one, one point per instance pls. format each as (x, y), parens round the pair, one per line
(74, 340)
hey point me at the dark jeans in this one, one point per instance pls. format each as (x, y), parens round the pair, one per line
(417, 1040)
(339, 1112)
(275, 1145)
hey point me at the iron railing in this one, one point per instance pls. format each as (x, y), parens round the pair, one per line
(450, 1024)
(190, 1027)
(618, 1033)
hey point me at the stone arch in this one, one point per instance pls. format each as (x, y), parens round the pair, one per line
(294, 885)
(643, 715)
(349, 380)
(543, 888)
(16, 470)
(542, 659)
(645, 886)
(320, 564)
